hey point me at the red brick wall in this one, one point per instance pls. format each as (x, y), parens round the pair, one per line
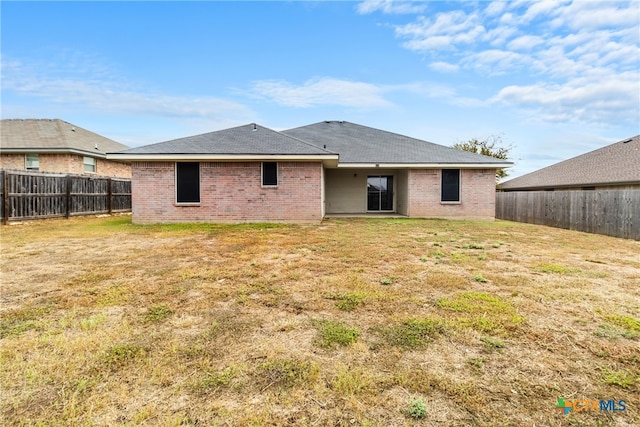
(67, 163)
(229, 192)
(477, 194)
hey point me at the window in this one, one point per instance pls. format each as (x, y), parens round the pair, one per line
(269, 174)
(89, 164)
(188, 182)
(450, 185)
(32, 162)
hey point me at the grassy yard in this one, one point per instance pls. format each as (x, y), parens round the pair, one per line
(353, 322)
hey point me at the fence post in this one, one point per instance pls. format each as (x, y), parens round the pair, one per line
(6, 205)
(110, 196)
(68, 210)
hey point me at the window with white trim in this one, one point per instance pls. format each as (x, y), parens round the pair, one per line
(450, 185)
(269, 174)
(89, 164)
(32, 162)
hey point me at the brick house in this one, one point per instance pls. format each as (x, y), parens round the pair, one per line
(615, 166)
(254, 174)
(57, 146)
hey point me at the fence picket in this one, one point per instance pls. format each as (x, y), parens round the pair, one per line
(610, 212)
(31, 195)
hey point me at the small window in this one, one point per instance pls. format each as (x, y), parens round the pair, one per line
(89, 164)
(450, 185)
(32, 162)
(269, 174)
(188, 182)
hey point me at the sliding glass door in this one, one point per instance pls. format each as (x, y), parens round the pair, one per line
(380, 193)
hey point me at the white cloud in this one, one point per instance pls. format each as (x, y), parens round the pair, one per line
(327, 91)
(495, 8)
(525, 42)
(592, 99)
(89, 84)
(443, 32)
(444, 67)
(537, 8)
(321, 91)
(586, 54)
(588, 15)
(390, 7)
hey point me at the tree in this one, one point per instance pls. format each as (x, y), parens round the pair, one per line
(492, 146)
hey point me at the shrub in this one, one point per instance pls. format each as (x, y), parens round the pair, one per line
(417, 409)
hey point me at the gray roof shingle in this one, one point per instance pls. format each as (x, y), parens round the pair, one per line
(618, 163)
(52, 135)
(250, 139)
(361, 144)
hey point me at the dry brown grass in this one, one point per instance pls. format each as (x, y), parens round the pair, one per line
(343, 323)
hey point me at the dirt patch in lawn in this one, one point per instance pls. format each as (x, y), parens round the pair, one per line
(349, 322)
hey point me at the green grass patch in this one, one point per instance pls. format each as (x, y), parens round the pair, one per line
(92, 322)
(625, 322)
(483, 312)
(620, 378)
(121, 354)
(114, 295)
(158, 312)
(332, 333)
(352, 381)
(348, 301)
(414, 333)
(492, 343)
(556, 269)
(16, 322)
(606, 330)
(217, 379)
(474, 246)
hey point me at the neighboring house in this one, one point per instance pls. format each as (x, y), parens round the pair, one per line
(252, 173)
(57, 146)
(616, 166)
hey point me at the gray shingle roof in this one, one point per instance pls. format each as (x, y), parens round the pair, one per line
(361, 144)
(250, 139)
(617, 163)
(52, 135)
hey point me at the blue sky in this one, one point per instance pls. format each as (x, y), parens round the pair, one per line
(555, 79)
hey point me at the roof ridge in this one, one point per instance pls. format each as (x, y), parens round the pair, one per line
(399, 135)
(294, 138)
(307, 143)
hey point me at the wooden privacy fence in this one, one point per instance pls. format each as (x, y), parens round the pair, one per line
(611, 212)
(30, 195)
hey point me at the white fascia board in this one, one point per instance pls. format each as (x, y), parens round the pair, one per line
(53, 151)
(425, 165)
(218, 157)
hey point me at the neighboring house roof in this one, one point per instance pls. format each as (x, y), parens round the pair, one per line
(52, 136)
(246, 140)
(614, 164)
(361, 145)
